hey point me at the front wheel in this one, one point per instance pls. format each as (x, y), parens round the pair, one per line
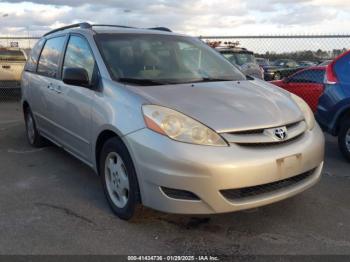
(119, 179)
(344, 139)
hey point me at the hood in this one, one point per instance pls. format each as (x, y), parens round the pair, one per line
(227, 106)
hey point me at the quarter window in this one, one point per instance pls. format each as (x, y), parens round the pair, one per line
(50, 56)
(34, 55)
(78, 55)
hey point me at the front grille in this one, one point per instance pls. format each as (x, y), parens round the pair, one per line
(241, 193)
(260, 131)
(266, 137)
(179, 194)
(274, 143)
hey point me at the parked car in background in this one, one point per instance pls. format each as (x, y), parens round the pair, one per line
(325, 63)
(281, 68)
(333, 111)
(12, 62)
(243, 59)
(179, 133)
(307, 84)
(306, 63)
(262, 61)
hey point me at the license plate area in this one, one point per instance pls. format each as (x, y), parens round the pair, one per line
(289, 166)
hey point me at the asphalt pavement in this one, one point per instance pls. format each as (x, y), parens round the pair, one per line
(50, 203)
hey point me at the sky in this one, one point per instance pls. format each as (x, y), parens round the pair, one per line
(193, 17)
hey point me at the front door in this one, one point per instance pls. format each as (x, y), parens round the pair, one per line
(74, 103)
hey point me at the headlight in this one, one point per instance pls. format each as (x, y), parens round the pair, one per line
(179, 127)
(308, 114)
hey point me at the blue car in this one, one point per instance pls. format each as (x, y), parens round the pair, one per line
(333, 111)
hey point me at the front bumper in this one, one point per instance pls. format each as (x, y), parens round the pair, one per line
(206, 170)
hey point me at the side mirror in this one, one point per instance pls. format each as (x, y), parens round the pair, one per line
(76, 76)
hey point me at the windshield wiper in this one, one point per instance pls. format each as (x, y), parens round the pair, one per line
(140, 81)
(211, 79)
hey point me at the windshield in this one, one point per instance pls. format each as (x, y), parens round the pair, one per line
(147, 59)
(12, 55)
(240, 58)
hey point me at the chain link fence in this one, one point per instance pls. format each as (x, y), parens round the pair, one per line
(278, 57)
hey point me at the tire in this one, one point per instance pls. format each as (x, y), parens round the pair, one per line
(33, 136)
(119, 180)
(344, 138)
(277, 76)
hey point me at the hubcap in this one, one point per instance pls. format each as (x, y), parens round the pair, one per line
(30, 128)
(117, 180)
(347, 140)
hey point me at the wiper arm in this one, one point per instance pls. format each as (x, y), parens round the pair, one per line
(140, 81)
(210, 79)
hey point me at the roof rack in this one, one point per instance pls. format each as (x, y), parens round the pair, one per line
(160, 29)
(80, 25)
(120, 26)
(89, 26)
(123, 26)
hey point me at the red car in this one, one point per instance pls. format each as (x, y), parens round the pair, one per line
(307, 84)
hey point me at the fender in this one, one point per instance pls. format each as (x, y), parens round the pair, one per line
(344, 107)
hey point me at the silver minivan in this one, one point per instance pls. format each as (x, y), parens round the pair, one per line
(167, 122)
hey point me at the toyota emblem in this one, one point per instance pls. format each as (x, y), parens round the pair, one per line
(280, 133)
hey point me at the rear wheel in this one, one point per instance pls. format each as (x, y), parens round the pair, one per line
(344, 138)
(119, 179)
(33, 136)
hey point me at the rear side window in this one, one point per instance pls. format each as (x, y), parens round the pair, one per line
(12, 55)
(50, 56)
(34, 55)
(308, 76)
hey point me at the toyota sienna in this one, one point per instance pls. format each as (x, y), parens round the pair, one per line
(167, 122)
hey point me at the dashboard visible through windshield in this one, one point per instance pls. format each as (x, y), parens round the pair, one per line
(155, 59)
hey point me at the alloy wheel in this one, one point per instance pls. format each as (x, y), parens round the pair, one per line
(117, 180)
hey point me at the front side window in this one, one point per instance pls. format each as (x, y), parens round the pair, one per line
(50, 56)
(78, 55)
(163, 59)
